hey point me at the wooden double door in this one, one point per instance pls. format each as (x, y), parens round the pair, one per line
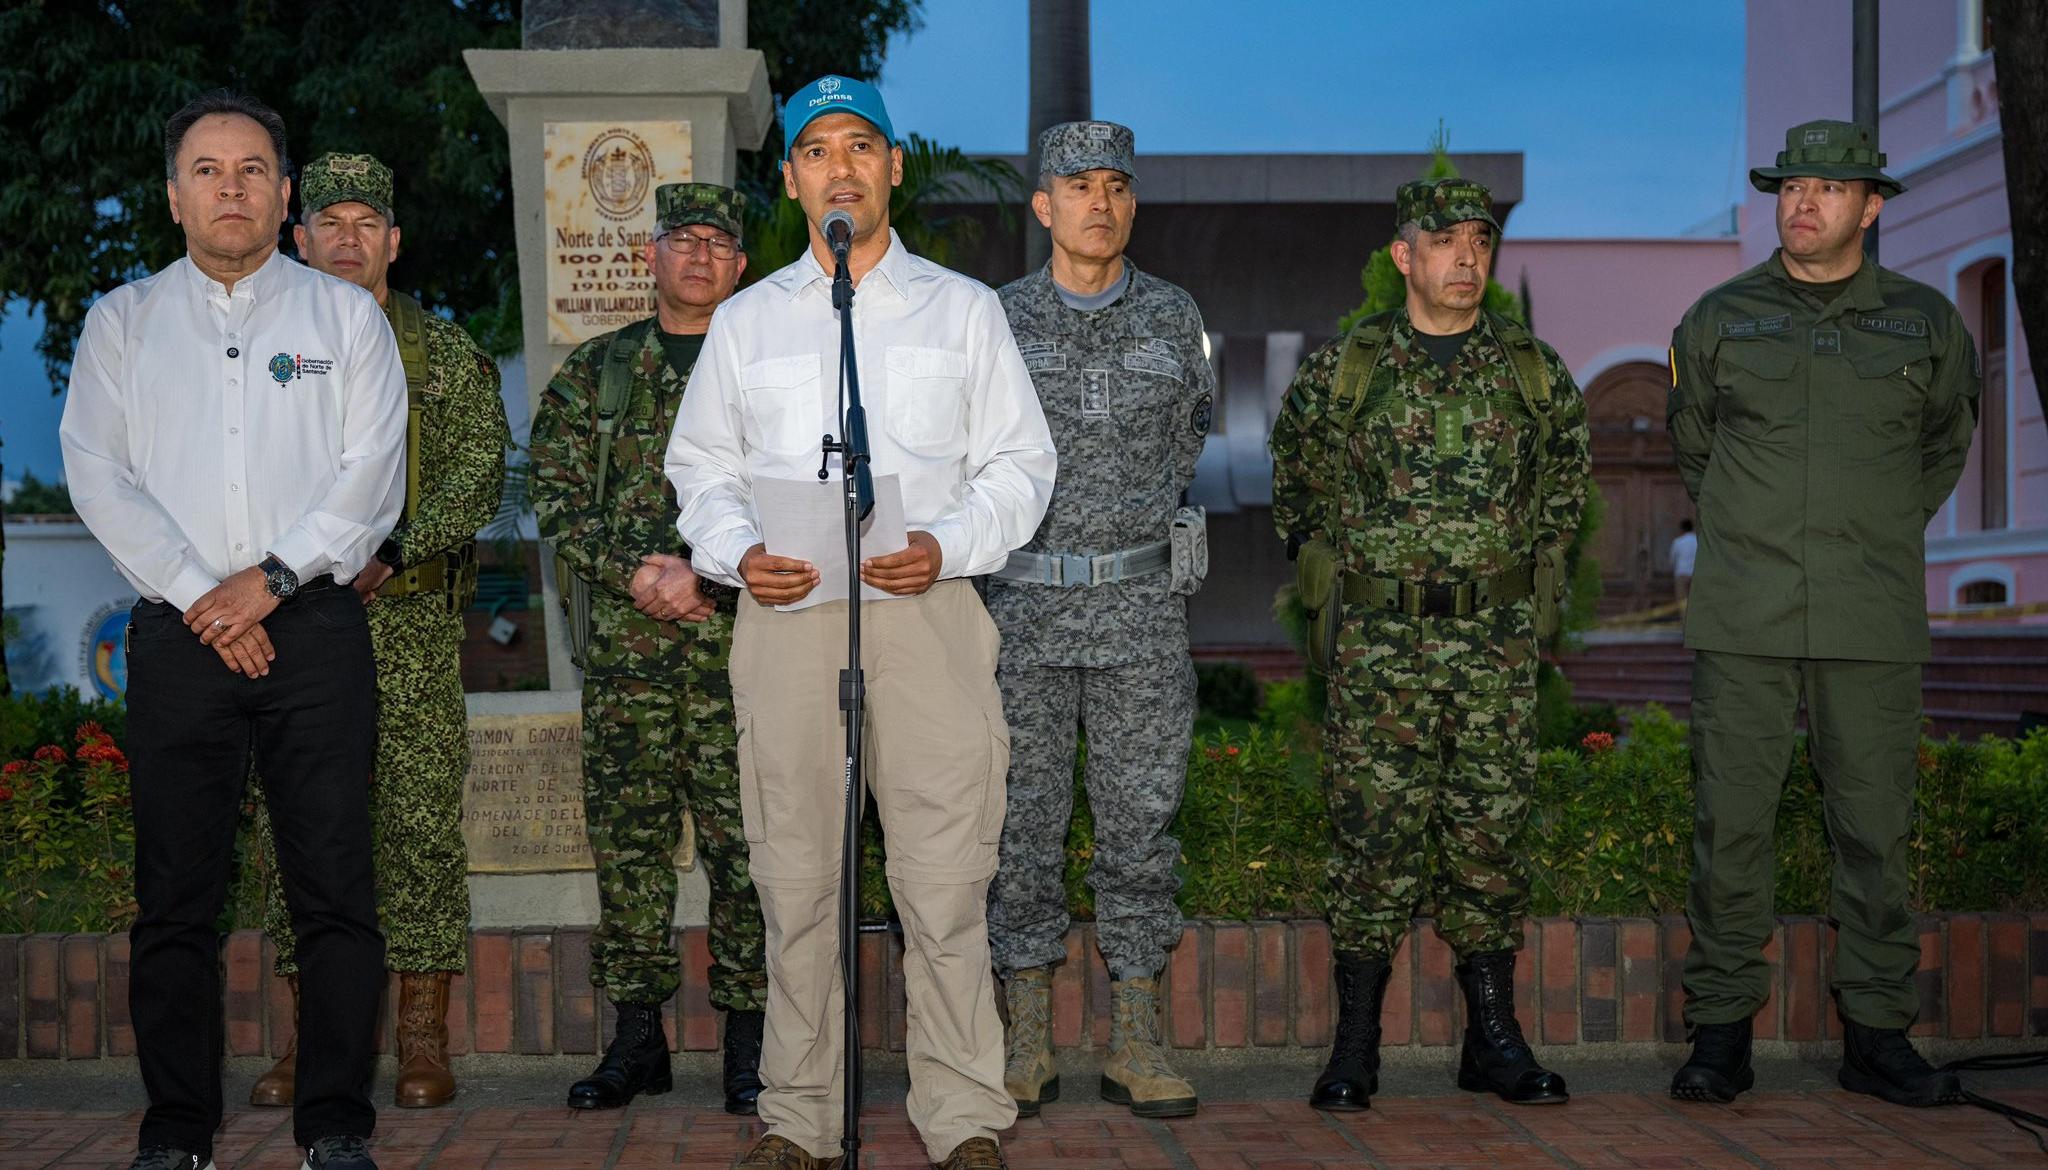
(1638, 478)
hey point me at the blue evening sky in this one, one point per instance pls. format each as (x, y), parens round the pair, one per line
(1628, 113)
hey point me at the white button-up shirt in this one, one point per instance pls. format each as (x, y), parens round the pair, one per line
(205, 429)
(951, 410)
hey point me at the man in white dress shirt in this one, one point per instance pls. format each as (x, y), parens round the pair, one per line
(235, 437)
(954, 417)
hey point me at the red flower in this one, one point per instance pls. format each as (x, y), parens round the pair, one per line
(51, 754)
(14, 768)
(6, 794)
(1597, 741)
(1230, 751)
(98, 752)
(92, 732)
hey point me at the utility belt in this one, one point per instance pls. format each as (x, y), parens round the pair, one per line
(1440, 598)
(1325, 588)
(453, 575)
(1185, 554)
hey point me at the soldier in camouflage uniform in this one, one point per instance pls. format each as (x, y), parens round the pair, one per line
(1094, 622)
(418, 586)
(658, 726)
(1436, 458)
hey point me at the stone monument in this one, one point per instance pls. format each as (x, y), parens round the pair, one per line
(604, 101)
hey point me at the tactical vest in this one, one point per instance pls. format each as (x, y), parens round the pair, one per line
(452, 574)
(614, 389)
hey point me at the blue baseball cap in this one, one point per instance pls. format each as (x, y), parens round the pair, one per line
(833, 94)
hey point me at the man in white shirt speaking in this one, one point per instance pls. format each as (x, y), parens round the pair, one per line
(953, 416)
(235, 437)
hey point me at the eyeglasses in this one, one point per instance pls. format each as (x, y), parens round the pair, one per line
(689, 244)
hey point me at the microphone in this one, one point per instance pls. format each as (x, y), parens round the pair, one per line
(838, 229)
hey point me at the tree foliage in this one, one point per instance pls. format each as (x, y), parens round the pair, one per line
(2019, 30)
(1385, 287)
(85, 89)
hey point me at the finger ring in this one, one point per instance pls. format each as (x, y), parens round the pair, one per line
(219, 624)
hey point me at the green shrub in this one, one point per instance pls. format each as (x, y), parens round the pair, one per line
(1227, 690)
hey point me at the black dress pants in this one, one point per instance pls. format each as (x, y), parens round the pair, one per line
(193, 726)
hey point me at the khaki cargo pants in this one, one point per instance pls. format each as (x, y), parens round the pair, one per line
(937, 751)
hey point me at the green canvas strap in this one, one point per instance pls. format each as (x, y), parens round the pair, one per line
(614, 389)
(1362, 353)
(409, 327)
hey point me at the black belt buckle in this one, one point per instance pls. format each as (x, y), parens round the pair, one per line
(1436, 599)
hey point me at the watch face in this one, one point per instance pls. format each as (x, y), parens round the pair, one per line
(280, 583)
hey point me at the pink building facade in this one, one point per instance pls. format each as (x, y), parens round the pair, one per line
(1609, 306)
(1938, 123)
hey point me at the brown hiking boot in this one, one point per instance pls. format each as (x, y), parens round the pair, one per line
(1029, 1074)
(974, 1154)
(778, 1153)
(274, 1089)
(424, 1079)
(1136, 1073)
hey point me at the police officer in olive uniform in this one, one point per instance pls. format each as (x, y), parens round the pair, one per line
(1429, 470)
(1821, 410)
(422, 579)
(654, 641)
(1093, 615)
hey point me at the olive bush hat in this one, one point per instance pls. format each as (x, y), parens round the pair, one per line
(1828, 150)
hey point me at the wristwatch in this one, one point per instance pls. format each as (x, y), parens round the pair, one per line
(388, 555)
(278, 578)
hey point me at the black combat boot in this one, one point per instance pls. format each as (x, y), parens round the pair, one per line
(1718, 1068)
(743, 1060)
(1883, 1063)
(1497, 1058)
(636, 1062)
(1353, 1074)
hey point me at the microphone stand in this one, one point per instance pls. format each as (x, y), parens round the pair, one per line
(859, 498)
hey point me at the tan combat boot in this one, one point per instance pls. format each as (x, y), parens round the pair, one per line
(275, 1088)
(1029, 1074)
(774, 1152)
(424, 1079)
(1136, 1073)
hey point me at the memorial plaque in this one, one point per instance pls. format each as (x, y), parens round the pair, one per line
(522, 807)
(601, 178)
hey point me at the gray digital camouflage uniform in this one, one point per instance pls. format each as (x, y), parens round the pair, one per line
(1127, 390)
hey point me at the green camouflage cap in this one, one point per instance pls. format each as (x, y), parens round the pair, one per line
(1438, 203)
(1828, 150)
(679, 204)
(345, 178)
(1073, 147)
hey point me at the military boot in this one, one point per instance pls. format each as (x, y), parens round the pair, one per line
(637, 1062)
(1029, 1074)
(1718, 1068)
(275, 1088)
(1883, 1063)
(424, 1078)
(1352, 1075)
(1496, 1057)
(1136, 1073)
(774, 1152)
(743, 1060)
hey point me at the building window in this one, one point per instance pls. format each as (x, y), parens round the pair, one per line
(1981, 593)
(1991, 414)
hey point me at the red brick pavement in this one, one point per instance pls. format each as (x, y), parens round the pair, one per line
(1613, 1131)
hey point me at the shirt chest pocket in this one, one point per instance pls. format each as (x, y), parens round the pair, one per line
(1890, 389)
(1755, 383)
(783, 415)
(927, 408)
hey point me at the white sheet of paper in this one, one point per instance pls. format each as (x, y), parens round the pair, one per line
(805, 519)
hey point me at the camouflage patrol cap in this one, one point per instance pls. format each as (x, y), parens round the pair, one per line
(1438, 203)
(345, 178)
(680, 204)
(1073, 147)
(1828, 150)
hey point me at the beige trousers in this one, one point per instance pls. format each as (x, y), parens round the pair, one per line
(936, 755)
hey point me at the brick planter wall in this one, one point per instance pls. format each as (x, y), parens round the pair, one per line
(1228, 985)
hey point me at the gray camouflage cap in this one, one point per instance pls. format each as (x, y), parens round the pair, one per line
(1073, 147)
(681, 204)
